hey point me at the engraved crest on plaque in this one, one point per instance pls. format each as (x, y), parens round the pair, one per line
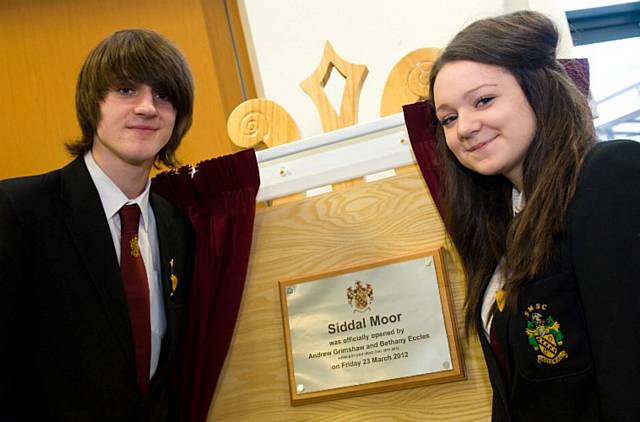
(360, 297)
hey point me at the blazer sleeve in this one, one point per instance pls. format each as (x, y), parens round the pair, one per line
(13, 267)
(604, 229)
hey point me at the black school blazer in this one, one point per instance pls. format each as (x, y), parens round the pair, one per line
(573, 343)
(66, 350)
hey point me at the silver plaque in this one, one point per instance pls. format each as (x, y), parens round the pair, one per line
(374, 324)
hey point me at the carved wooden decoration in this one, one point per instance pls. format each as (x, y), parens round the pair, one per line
(408, 81)
(261, 121)
(313, 86)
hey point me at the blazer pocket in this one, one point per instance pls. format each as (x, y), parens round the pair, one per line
(548, 334)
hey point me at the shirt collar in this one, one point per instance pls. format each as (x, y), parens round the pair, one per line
(517, 201)
(111, 196)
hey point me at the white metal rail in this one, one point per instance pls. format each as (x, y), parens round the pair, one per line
(333, 157)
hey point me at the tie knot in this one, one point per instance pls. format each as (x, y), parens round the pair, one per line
(129, 218)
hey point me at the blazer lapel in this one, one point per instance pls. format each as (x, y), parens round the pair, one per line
(170, 250)
(90, 232)
(493, 366)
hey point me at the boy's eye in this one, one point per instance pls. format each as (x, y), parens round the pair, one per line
(125, 90)
(161, 96)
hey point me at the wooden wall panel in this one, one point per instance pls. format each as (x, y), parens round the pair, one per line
(383, 219)
(43, 44)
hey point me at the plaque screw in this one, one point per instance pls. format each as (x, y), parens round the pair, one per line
(283, 171)
(445, 364)
(300, 388)
(289, 290)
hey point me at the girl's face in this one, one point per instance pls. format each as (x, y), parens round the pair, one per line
(488, 122)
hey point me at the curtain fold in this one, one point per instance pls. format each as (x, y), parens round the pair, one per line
(420, 121)
(219, 196)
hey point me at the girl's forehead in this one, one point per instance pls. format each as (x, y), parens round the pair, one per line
(461, 78)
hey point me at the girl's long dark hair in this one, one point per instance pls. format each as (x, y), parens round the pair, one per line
(477, 209)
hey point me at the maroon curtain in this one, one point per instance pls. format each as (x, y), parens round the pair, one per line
(418, 118)
(220, 200)
(420, 121)
(578, 71)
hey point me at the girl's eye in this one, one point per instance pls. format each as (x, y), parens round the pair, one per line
(484, 101)
(447, 120)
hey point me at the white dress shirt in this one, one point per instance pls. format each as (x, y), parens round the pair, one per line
(113, 199)
(497, 280)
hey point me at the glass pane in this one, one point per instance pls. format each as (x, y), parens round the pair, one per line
(588, 4)
(615, 86)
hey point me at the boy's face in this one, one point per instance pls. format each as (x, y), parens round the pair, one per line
(136, 122)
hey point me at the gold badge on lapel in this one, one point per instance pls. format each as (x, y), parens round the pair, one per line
(134, 248)
(544, 335)
(173, 277)
(501, 299)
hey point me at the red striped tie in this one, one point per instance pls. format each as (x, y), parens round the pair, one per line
(136, 288)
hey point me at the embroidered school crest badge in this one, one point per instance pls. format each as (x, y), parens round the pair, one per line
(360, 297)
(544, 335)
(134, 248)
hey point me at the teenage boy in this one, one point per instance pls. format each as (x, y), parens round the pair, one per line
(94, 266)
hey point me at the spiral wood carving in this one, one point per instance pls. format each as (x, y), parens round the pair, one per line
(408, 81)
(259, 123)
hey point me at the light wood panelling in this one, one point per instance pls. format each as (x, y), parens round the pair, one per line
(43, 44)
(366, 222)
(233, 70)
